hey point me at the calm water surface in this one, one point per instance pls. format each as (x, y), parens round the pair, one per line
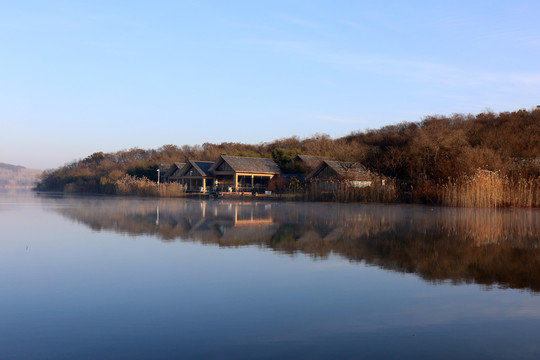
(104, 278)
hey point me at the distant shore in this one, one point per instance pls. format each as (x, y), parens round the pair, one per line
(17, 187)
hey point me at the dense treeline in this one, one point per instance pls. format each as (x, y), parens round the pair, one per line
(422, 157)
(439, 147)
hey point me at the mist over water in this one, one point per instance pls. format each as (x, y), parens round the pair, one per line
(98, 277)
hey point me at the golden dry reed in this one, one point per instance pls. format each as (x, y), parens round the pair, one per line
(490, 189)
(130, 185)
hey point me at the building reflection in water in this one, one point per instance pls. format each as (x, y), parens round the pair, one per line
(490, 247)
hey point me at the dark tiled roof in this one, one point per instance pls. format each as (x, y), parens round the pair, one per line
(173, 168)
(202, 166)
(344, 170)
(248, 164)
(349, 170)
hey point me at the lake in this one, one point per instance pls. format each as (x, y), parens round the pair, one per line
(124, 278)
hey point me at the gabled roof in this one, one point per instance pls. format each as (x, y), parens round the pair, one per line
(173, 168)
(247, 164)
(163, 167)
(202, 167)
(310, 161)
(343, 169)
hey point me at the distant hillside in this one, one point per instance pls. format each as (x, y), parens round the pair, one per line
(16, 175)
(11, 167)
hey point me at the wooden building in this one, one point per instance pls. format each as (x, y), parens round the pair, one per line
(341, 172)
(235, 173)
(195, 176)
(163, 168)
(173, 173)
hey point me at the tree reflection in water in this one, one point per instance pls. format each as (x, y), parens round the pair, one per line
(490, 247)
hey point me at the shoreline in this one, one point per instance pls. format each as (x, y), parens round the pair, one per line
(297, 197)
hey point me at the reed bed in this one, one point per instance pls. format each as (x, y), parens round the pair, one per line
(490, 189)
(486, 189)
(171, 190)
(344, 192)
(130, 185)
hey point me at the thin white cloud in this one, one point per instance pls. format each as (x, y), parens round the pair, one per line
(414, 70)
(425, 71)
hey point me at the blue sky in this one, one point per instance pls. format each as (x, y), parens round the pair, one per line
(78, 77)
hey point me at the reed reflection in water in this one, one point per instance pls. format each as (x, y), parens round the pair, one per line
(490, 247)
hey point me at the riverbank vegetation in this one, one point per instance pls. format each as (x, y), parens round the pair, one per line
(131, 185)
(488, 160)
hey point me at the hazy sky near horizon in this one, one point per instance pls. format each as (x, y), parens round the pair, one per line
(78, 77)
